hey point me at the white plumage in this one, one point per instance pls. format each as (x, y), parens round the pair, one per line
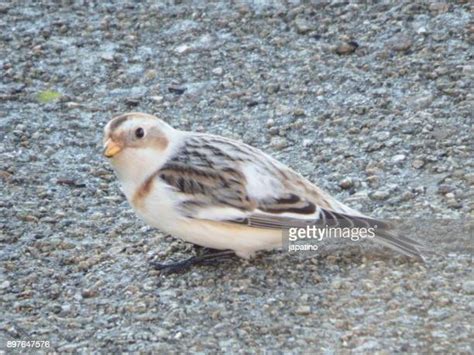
(219, 193)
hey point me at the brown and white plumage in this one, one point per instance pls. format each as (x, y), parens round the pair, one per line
(220, 193)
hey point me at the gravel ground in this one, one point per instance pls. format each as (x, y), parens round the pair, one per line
(372, 102)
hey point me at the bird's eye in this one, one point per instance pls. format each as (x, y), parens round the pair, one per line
(139, 132)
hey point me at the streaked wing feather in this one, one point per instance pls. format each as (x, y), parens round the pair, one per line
(210, 177)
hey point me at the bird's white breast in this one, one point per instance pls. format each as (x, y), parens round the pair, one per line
(160, 209)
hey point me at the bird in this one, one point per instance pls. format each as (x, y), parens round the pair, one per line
(220, 193)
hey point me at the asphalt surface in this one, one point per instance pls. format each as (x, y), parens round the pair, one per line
(372, 102)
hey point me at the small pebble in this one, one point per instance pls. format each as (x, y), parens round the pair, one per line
(108, 57)
(439, 7)
(302, 25)
(178, 90)
(278, 142)
(444, 189)
(5, 285)
(303, 310)
(417, 163)
(346, 48)
(468, 287)
(182, 49)
(380, 195)
(66, 308)
(407, 196)
(398, 158)
(157, 99)
(400, 43)
(218, 71)
(88, 293)
(346, 183)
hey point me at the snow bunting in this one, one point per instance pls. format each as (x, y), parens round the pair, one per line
(220, 193)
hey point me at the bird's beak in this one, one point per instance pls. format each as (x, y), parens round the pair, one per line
(111, 148)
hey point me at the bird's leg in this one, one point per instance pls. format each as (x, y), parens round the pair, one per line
(206, 258)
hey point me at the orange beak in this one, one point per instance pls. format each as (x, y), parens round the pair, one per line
(111, 148)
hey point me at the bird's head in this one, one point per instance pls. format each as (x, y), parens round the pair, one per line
(136, 142)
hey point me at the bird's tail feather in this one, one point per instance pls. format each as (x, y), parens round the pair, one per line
(384, 233)
(401, 244)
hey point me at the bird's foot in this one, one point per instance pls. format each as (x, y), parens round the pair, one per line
(204, 259)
